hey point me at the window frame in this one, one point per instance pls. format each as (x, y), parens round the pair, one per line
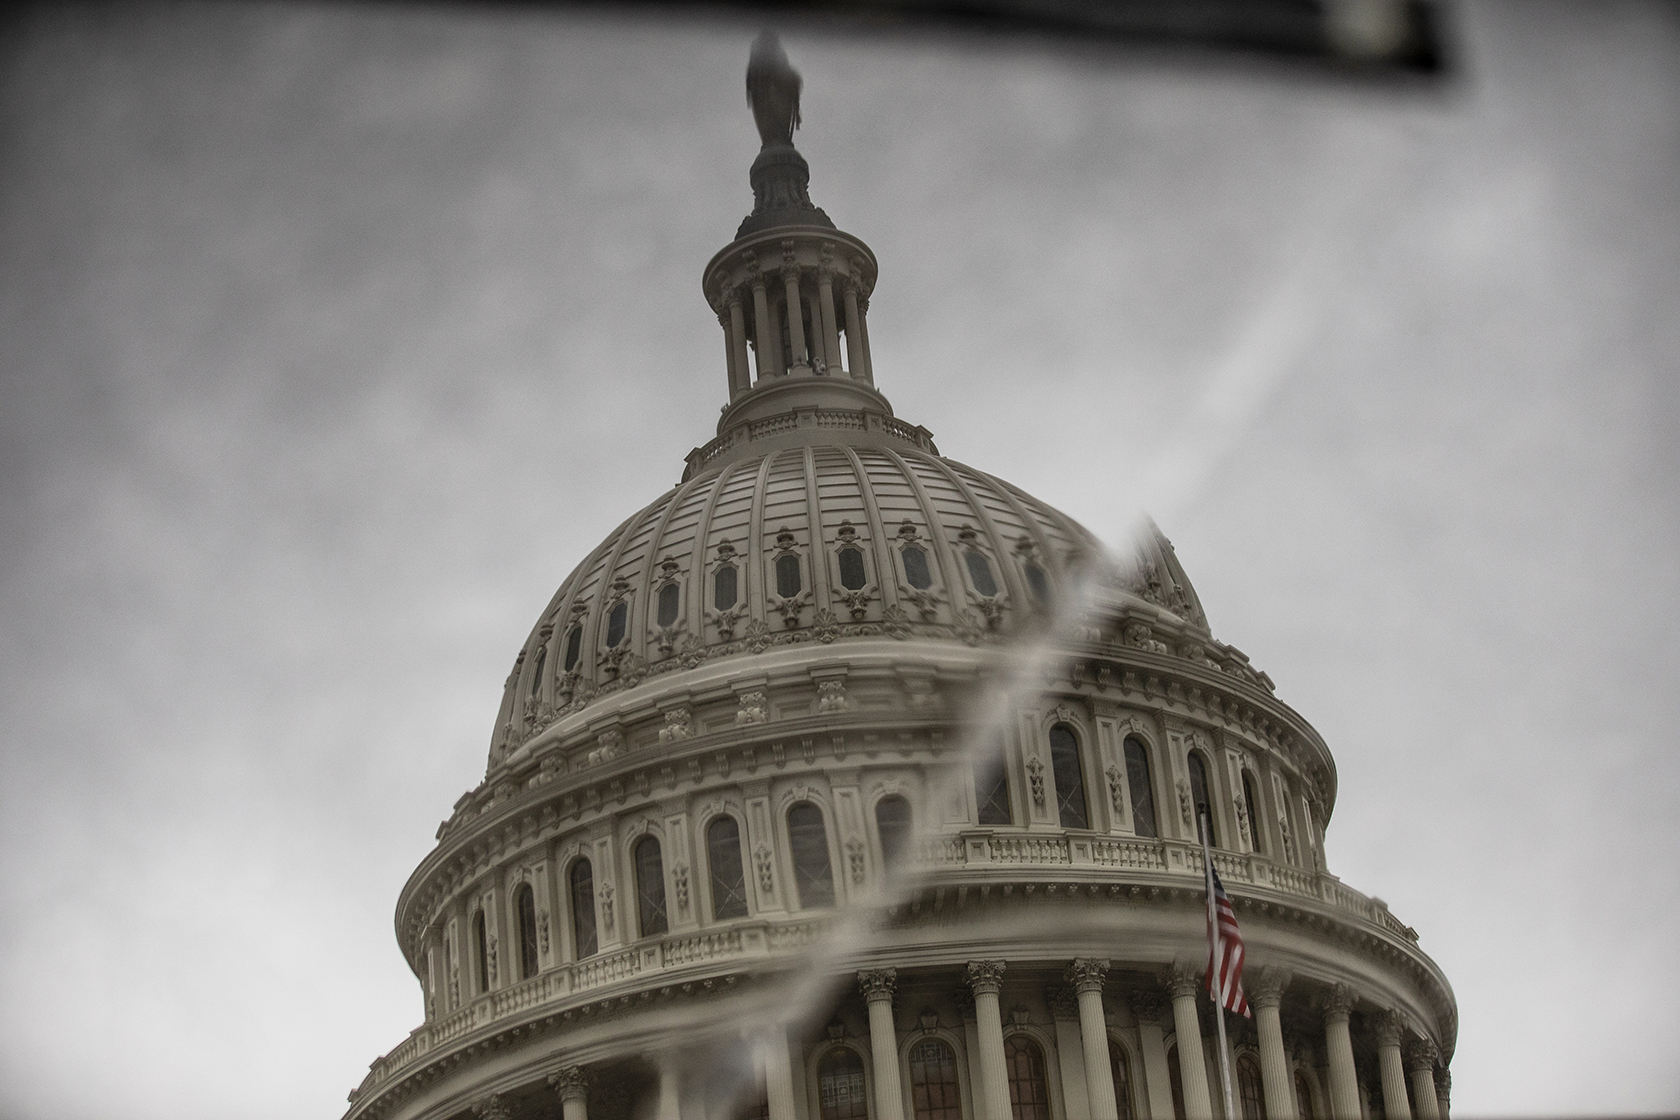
(577, 914)
(636, 848)
(530, 954)
(711, 874)
(827, 850)
(1078, 770)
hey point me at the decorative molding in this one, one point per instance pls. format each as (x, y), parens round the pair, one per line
(679, 724)
(877, 985)
(1336, 1002)
(985, 977)
(492, 1108)
(831, 697)
(1035, 779)
(1183, 981)
(571, 1083)
(754, 709)
(1087, 974)
(1421, 1054)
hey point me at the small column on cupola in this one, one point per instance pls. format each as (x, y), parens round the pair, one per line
(790, 284)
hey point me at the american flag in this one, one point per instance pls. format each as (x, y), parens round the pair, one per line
(1230, 965)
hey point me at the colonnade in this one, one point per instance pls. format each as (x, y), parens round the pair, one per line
(990, 1076)
(780, 306)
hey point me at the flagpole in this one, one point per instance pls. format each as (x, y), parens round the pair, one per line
(1216, 974)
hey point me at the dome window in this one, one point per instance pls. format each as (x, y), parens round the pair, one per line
(991, 790)
(1251, 805)
(840, 1086)
(852, 575)
(583, 909)
(980, 571)
(1142, 790)
(1120, 1068)
(525, 905)
(616, 622)
(1070, 777)
(788, 577)
(650, 887)
(916, 567)
(1199, 796)
(724, 590)
(574, 646)
(894, 825)
(808, 841)
(933, 1081)
(670, 599)
(537, 670)
(481, 952)
(1038, 584)
(729, 880)
(1029, 1092)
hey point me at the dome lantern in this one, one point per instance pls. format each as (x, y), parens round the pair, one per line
(791, 293)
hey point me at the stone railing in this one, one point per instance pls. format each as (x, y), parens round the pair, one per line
(579, 981)
(836, 418)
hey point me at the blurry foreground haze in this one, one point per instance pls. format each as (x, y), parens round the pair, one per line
(331, 338)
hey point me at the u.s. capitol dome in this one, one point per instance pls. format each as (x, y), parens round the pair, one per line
(846, 781)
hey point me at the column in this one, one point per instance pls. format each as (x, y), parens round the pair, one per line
(769, 347)
(863, 337)
(1148, 1008)
(877, 988)
(985, 978)
(1266, 998)
(670, 1084)
(1395, 1105)
(1443, 1092)
(1420, 1056)
(795, 320)
(1185, 985)
(854, 341)
(734, 374)
(572, 1084)
(1338, 1044)
(738, 344)
(778, 1074)
(1087, 975)
(1070, 1050)
(492, 1108)
(830, 329)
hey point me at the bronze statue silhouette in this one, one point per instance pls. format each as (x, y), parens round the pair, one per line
(773, 91)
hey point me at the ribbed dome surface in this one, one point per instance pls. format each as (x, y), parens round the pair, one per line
(846, 538)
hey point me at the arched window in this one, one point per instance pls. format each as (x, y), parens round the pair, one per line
(481, 952)
(1251, 805)
(1121, 1068)
(670, 599)
(729, 880)
(525, 904)
(1038, 584)
(916, 567)
(1251, 1099)
(583, 909)
(1199, 797)
(1142, 789)
(1304, 1098)
(934, 1094)
(650, 887)
(1070, 777)
(808, 843)
(1175, 1080)
(537, 669)
(840, 1086)
(852, 575)
(980, 571)
(1029, 1093)
(574, 646)
(724, 591)
(788, 581)
(991, 788)
(616, 622)
(893, 823)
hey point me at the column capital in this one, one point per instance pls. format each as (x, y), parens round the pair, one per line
(492, 1108)
(1063, 1003)
(1387, 1029)
(1147, 1006)
(1266, 987)
(985, 977)
(877, 984)
(1421, 1055)
(1182, 980)
(571, 1083)
(1337, 1002)
(1087, 974)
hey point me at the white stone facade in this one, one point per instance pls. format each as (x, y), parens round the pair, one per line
(737, 852)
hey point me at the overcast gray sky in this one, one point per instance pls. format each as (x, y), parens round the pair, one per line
(332, 338)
